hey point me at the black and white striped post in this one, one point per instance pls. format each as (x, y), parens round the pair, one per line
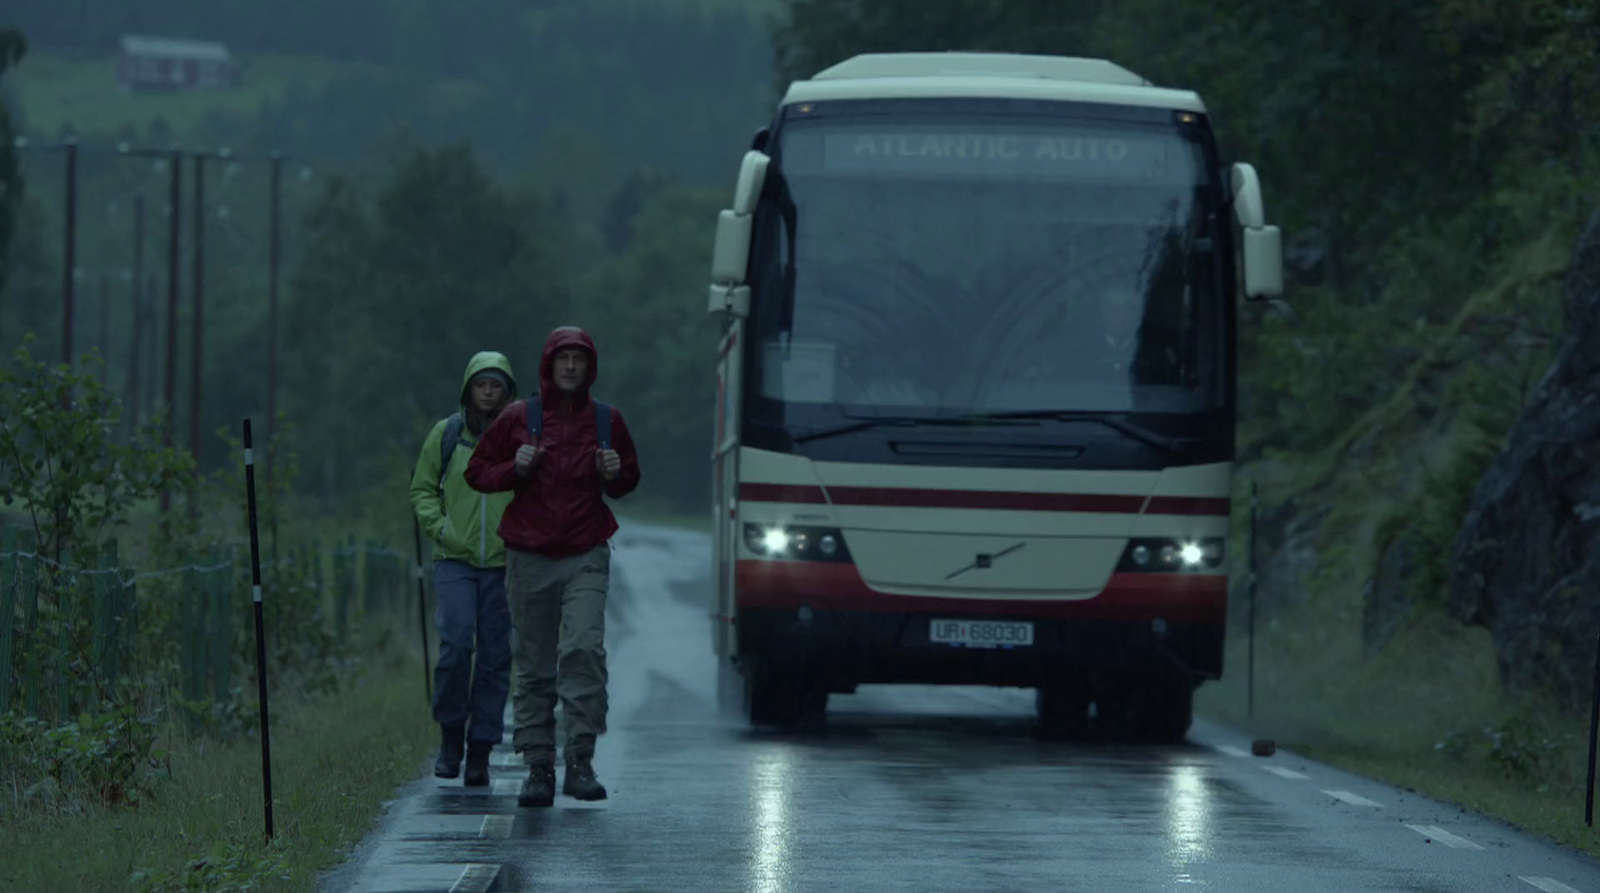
(1250, 671)
(1594, 730)
(261, 636)
(422, 610)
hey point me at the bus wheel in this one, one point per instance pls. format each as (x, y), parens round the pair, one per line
(1063, 711)
(783, 700)
(1164, 712)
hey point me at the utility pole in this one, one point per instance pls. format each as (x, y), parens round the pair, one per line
(197, 334)
(274, 249)
(174, 233)
(105, 328)
(135, 389)
(69, 252)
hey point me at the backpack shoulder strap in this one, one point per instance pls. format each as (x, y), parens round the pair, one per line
(447, 445)
(535, 417)
(602, 424)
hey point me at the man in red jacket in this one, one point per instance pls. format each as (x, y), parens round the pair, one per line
(558, 558)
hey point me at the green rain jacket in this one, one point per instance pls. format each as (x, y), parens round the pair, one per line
(461, 521)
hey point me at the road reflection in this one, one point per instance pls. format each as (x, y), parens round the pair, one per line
(771, 787)
(1189, 821)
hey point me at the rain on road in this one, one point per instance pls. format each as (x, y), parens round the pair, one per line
(914, 788)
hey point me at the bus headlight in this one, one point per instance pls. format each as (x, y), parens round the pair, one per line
(774, 541)
(1171, 556)
(796, 543)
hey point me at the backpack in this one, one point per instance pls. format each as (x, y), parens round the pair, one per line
(452, 436)
(602, 421)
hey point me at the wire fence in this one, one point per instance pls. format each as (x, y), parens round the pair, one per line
(75, 633)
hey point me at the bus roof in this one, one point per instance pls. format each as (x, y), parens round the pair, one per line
(992, 75)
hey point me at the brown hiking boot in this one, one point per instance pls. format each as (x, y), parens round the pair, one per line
(580, 781)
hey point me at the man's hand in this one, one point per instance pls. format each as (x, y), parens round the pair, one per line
(528, 457)
(609, 463)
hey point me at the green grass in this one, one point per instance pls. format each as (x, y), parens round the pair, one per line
(55, 91)
(1427, 713)
(335, 761)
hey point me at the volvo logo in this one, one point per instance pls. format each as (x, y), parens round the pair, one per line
(984, 560)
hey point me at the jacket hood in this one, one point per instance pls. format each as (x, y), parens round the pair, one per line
(561, 339)
(482, 362)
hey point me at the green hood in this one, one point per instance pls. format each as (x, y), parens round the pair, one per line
(484, 361)
(460, 520)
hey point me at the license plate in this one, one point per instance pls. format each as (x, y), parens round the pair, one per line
(981, 633)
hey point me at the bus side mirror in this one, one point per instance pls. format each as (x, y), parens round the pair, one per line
(730, 251)
(1261, 245)
(752, 176)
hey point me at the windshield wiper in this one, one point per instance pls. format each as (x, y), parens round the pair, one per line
(895, 422)
(1122, 426)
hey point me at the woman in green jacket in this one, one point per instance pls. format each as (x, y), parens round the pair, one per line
(469, 575)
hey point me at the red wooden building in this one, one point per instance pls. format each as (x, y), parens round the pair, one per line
(163, 63)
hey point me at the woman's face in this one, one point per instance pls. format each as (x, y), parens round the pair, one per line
(487, 393)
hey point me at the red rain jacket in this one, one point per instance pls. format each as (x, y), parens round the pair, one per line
(557, 510)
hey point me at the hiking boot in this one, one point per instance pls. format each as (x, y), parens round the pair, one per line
(449, 763)
(477, 765)
(580, 781)
(540, 787)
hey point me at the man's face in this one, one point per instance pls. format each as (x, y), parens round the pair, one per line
(487, 393)
(571, 368)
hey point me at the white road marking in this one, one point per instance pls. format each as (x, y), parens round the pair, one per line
(1284, 773)
(475, 878)
(1548, 885)
(1353, 799)
(496, 826)
(507, 785)
(1232, 751)
(1445, 837)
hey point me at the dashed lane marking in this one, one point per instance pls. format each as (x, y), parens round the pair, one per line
(1548, 885)
(1284, 773)
(1353, 799)
(1453, 841)
(475, 878)
(1232, 751)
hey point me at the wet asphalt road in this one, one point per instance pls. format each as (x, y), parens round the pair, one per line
(914, 788)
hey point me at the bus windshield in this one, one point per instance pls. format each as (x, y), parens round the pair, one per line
(939, 265)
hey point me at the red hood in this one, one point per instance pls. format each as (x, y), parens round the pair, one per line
(560, 339)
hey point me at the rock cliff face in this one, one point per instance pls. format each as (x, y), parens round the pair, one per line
(1526, 563)
(1286, 551)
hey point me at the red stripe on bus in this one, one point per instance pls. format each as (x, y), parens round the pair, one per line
(896, 497)
(1200, 598)
(901, 497)
(801, 493)
(1188, 505)
(985, 499)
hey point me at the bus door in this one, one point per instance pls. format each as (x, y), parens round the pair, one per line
(725, 492)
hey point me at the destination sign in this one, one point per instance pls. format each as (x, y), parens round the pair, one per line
(1047, 154)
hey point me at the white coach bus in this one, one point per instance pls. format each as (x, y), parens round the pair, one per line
(976, 395)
